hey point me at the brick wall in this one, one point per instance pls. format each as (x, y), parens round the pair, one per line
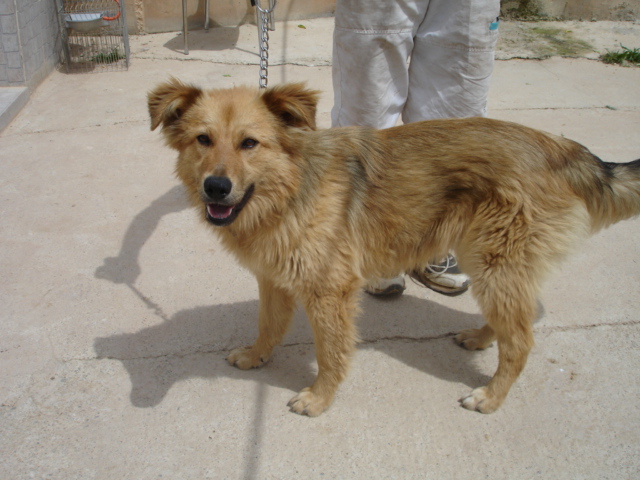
(29, 41)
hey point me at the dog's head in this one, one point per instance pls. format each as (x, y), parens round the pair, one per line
(234, 144)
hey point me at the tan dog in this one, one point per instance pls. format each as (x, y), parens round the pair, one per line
(313, 214)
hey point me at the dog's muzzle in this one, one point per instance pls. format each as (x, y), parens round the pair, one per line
(220, 208)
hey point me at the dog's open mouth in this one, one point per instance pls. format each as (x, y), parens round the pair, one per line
(222, 215)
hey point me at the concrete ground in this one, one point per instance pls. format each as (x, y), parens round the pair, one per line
(119, 308)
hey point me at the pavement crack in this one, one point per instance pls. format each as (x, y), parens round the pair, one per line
(10, 133)
(362, 342)
(569, 328)
(405, 338)
(531, 109)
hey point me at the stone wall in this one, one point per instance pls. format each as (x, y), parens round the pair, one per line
(152, 16)
(588, 10)
(29, 41)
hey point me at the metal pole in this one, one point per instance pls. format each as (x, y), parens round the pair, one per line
(185, 28)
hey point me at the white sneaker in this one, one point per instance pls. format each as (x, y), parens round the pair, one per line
(386, 287)
(443, 277)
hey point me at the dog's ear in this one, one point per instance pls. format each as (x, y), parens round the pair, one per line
(293, 103)
(169, 100)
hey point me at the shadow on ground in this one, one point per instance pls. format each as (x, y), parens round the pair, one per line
(216, 39)
(186, 346)
(189, 345)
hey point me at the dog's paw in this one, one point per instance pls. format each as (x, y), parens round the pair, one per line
(308, 403)
(245, 358)
(473, 339)
(481, 401)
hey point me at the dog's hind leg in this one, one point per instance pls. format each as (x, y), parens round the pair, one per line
(507, 251)
(331, 317)
(274, 317)
(509, 307)
(476, 338)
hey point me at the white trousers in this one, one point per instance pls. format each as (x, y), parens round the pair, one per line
(412, 59)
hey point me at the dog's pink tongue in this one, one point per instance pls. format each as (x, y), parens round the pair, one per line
(219, 211)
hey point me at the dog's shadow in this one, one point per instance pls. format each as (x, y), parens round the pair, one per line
(192, 343)
(188, 345)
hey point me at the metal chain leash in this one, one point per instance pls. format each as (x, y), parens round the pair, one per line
(264, 25)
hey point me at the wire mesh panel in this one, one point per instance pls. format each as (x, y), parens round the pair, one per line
(95, 35)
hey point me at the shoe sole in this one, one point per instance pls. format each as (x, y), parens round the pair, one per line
(436, 287)
(390, 291)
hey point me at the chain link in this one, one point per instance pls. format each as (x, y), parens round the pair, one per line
(263, 28)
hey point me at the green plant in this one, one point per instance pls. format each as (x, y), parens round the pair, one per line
(561, 42)
(624, 57)
(527, 10)
(110, 57)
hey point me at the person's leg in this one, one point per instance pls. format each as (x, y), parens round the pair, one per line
(372, 42)
(452, 60)
(449, 74)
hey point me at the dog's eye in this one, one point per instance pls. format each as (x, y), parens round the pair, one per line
(204, 140)
(249, 143)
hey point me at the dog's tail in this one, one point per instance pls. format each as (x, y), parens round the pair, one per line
(613, 195)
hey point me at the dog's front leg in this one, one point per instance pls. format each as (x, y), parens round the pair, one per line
(331, 317)
(274, 317)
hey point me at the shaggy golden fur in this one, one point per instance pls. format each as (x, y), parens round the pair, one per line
(315, 213)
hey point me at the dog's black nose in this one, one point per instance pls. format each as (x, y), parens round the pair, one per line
(217, 188)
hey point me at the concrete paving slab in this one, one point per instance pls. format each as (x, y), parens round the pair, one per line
(305, 42)
(192, 416)
(552, 85)
(119, 309)
(538, 40)
(309, 42)
(120, 97)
